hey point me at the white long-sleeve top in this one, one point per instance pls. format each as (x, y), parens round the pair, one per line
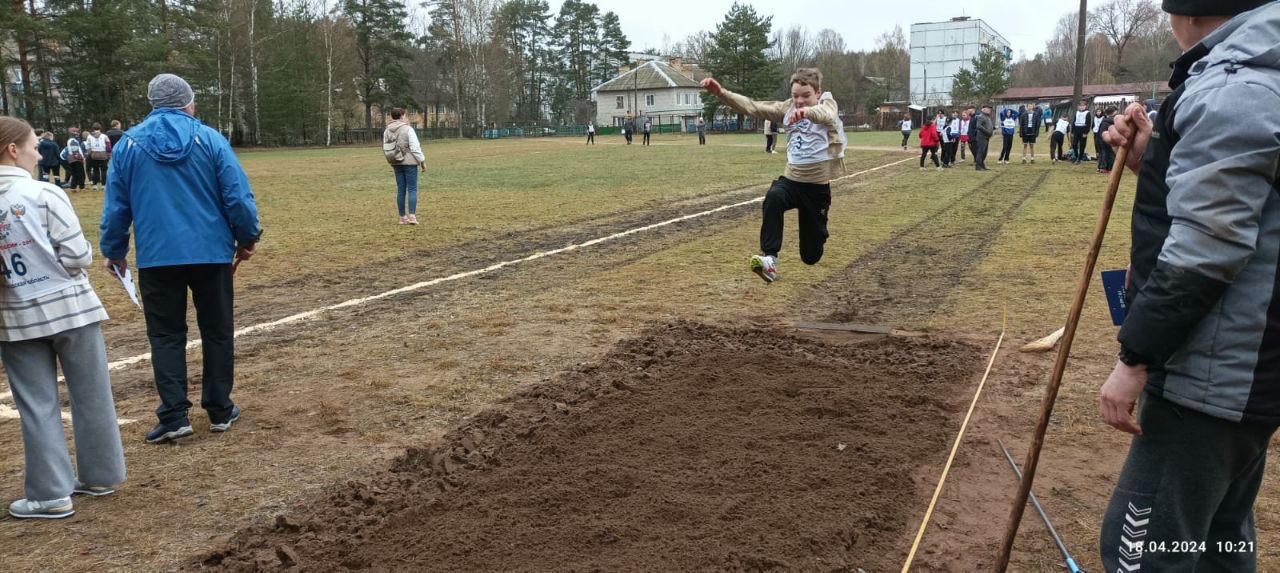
(44, 286)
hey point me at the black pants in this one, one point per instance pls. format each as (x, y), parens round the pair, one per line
(628, 136)
(769, 140)
(813, 200)
(702, 138)
(591, 138)
(75, 175)
(1106, 157)
(906, 135)
(1056, 143)
(1080, 138)
(1007, 147)
(48, 170)
(646, 138)
(97, 171)
(980, 152)
(164, 297)
(948, 153)
(929, 150)
(1189, 479)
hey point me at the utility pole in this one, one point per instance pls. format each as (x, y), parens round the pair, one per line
(1081, 27)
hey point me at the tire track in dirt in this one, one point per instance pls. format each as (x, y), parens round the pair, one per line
(287, 300)
(904, 280)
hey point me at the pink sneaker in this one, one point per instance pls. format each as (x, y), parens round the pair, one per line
(413, 219)
(404, 220)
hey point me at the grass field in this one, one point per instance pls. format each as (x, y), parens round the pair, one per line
(333, 398)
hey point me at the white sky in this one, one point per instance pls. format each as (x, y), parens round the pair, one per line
(1027, 24)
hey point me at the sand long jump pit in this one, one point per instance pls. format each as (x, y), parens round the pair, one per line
(688, 447)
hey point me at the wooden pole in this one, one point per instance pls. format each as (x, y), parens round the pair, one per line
(1060, 366)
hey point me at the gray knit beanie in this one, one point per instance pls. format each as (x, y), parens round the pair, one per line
(169, 91)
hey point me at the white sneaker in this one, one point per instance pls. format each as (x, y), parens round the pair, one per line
(939, 168)
(53, 509)
(765, 266)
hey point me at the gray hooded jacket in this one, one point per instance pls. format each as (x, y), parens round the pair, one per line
(1205, 298)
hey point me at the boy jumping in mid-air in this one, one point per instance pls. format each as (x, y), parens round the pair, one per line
(814, 151)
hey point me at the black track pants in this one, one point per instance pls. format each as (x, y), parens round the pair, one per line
(813, 200)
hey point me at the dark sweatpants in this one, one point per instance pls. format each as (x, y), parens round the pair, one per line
(1184, 500)
(1007, 146)
(164, 298)
(1080, 137)
(813, 200)
(75, 175)
(925, 151)
(1056, 144)
(980, 152)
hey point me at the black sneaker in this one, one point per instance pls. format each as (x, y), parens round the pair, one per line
(224, 426)
(169, 432)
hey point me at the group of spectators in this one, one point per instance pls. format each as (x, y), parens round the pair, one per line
(78, 156)
(973, 129)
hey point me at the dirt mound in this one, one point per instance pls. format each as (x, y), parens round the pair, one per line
(691, 447)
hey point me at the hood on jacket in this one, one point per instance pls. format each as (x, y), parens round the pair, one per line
(1251, 38)
(167, 135)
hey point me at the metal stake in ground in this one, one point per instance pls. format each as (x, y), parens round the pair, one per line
(1060, 366)
(1071, 563)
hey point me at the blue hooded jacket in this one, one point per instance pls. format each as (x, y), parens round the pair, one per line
(179, 184)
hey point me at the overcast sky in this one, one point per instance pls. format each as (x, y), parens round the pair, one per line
(1027, 24)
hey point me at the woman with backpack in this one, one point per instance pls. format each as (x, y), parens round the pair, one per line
(403, 151)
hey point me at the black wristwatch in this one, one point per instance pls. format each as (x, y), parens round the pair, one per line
(1131, 358)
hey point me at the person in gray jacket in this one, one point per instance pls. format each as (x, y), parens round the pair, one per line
(1201, 343)
(983, 128)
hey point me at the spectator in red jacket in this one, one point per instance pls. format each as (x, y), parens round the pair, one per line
(929, 144)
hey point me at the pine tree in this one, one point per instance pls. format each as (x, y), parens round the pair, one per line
(614, 47)
(575, 31)
(523, 29)
(989, 76)
(737, 56)
(381, 47)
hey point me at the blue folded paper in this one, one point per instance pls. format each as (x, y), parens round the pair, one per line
(1113, 285)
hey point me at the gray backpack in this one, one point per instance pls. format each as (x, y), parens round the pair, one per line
(394, 147)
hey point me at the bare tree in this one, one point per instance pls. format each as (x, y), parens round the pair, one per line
(694, 47)
(794, 47)
(1122, 21)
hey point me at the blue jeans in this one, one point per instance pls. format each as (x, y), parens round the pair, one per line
(406, 184)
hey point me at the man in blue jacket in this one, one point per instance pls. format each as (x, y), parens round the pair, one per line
(177, 182)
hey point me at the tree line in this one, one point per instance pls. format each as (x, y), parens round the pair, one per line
(287, 72)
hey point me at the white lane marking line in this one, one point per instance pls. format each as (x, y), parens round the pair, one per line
(7, 413)
(126, 362)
